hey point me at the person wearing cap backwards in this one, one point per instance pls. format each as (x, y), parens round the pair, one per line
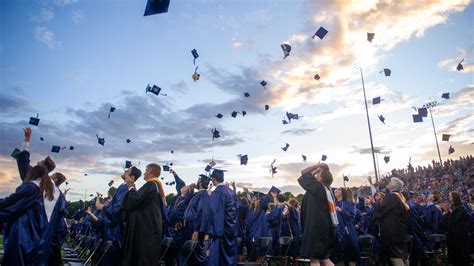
(318, 214)
(222, 222)
(392, 216)
(143, 218)
(195, 221)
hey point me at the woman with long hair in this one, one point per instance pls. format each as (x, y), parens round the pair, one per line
(32, 217)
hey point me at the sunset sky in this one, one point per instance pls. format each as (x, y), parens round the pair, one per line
(71, 60)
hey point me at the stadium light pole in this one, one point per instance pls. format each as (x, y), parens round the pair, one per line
(429, 106)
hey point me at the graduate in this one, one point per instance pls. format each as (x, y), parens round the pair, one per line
(433, 216)
(346, 212)
(416, 228)
(143, 218)
(257, 224)
(61, 232)
(222, 223)
(31, 219)
(275, 218)
(293, 218)
(195, 221)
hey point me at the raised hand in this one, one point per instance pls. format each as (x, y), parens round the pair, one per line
(27, 134)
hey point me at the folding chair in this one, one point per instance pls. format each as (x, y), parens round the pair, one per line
(282, 259)
(165, 245)
(439, 241)
(187, 250)
(366, 247)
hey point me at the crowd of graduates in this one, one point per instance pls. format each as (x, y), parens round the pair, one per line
(229, 227)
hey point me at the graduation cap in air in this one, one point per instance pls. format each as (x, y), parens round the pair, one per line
(166, 168)
(218, 174)
(128, 140)
(387, 72)
(376, 100)
(321, 32)
(244, 113)
(446, 137)
(112, 109)
(85, 174)
(286, 50)
(128, 164)
(155, 90)
(41, 138)
(274, 189)
(71, 148)
(292, 116)
(417, 118)
(154, 7)
(243, 159)
(445, 95)
(172, 152)
(215, 134)
(382, 119)
(346, 178)
(267, 107)
(34, 120)
(451, 150)
(323, 158)
(209, 166)
(386, 158)
(195, 54)
(460, 67)
(196, 75)
(55, 149)
(67, 183)
(219, 115)
(317, 77)
(273, 169)
(101, 141)
(304, 158)
(423, 112)
(263, 83)
(234, 114)
(286, 147)
(15, 153)
(110, 183)
(284, 121)
(370, 36)
(247, 94)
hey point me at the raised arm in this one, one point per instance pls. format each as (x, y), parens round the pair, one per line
(179, 182)
(23, 159)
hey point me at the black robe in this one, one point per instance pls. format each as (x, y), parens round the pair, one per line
(144, 225)
(393, 220)
(458, 235)
(319, 235)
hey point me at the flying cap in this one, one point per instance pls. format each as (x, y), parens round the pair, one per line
(460, 67)
(423, 112)
(155, 90)
(446, 137)
(286, 50)
(387, 72)
(112, 109)
(101, 141)
(445, 95)
(55, 149)
(376, 100)
(317, 77)
(128, 164)
(195, 55)
(274, 189)
(154, 7)
(286, 147)
(386, 158)
(323, 158)
(247, 94)
(370, 36)
(34, 120)
(382, 119)
(215, 134)
(243, 159)
(304, 158)
(417, 118)
(219, 115)
(267, 107)
(451, 150)
(263, 83)
(128, 141)
(321, 33)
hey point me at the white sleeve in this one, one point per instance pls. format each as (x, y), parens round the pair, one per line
(25, 146)
(373, 189)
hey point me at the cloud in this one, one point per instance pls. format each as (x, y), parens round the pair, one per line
(46, 14)
(382, 149)
(237, 45)
(65, 2)
(12, 104)
(299, 132)
(78, 16)
(465, 56)
(46, 36)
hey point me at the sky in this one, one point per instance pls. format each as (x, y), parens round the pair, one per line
(71, 60)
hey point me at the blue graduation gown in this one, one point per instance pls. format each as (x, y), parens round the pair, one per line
(23, 163)
(416, 228)
(257, 225)
(274, 219)
(223, 226)
(195, 217)
(433, 218)
(346, 231)
(295, 232)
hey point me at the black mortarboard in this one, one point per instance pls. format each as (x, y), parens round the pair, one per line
(154, 7)
(451, 150)
(376, 100)
(243, 159)
(166, 168)
(320, 33)
(323, 158)
(263, 83)
(274, 189)
(195, 54)
(34, 120)
(284, 121)
(292, 116)
(258, 194)
(128, 141)
(111, 183)
(387, 72)
(247, 94)
(417, 118)
(91, 195)
(128, 164)
(234, 114)
(346, 178)
(219, 115)
(370, 36)
(423, 112)
(267, 107)
(286, 50)
(55, 149)
(85, 174)
(244, 113)
(317, 77)
(386, 158)
(446, 137)
(172, 152)
(445, 95)
(286, 147)
(15, 153)
(101, 141)
(41, 138)
(460, 67)
(71, 148)
(215, 134)
(304, 158)
(382, 119)
(112, 109)
(155, 90)
(67, 183)
(204, 178)
(273, 169)
(218, 174)
(208, 168)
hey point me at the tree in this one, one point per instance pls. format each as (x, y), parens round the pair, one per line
(300, 197)
(169, 197)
